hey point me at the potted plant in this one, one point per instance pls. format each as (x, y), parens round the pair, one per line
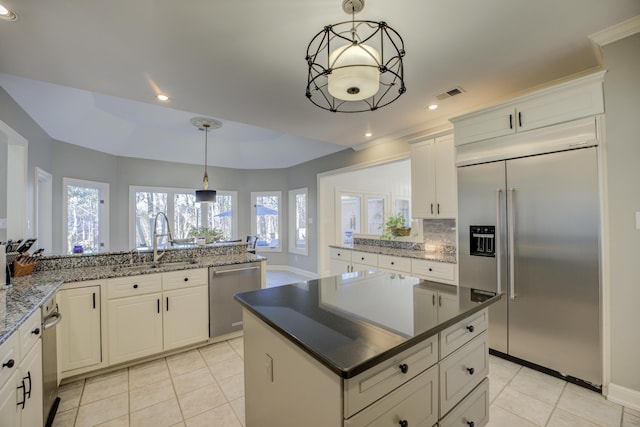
(395, 226)
(209, 234)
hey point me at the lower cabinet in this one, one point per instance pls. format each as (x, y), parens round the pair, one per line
(135, 327)
(472, 411)
(30, 388)
(186, 316)
(79, 330)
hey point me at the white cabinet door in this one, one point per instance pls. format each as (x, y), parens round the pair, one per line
(492, 123)
(423, 179)
(80, 327)
(135, 327)
(31, 392)
(186, 316)
(433, 179)
(9, 415)
(446, 178)
(340, 267)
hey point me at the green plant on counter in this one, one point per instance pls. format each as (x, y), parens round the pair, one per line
(394, 226)
(209, 234)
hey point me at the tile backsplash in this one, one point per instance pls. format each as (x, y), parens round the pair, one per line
(439, 232)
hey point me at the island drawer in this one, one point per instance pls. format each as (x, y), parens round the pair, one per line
(133, 285)
(184, 278)
(473, 410)
(415, 403)
(9, 350)
(394, 263)
(437, 271)
(462, 371)
(365, 258)
(369, 386)
(462, 332)
(343, 254)
(30, 331)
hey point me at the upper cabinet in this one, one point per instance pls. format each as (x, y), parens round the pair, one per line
(561, 103)
(433, 178)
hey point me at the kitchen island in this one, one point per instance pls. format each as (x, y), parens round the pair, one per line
(366, 348)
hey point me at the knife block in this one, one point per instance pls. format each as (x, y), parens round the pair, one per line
(22, 268)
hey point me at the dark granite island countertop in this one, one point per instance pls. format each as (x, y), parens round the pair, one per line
(353, 322)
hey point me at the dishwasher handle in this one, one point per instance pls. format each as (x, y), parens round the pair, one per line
(233, 270)
(49, 323)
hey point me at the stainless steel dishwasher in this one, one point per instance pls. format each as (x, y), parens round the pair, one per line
(50, 400)
(225, 314)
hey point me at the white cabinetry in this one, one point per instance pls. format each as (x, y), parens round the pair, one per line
(561, 103)
(433, 178)
(348, 261)
(79, 332)
(21, 376)
(151, 313)
(435, 271)
(186, 307)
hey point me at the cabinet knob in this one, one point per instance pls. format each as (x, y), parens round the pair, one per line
(470, 328)
(471, 371)
(36, 331)
(404, 423)
(430, 269)
(135, 286)
(186, 279)
(404, 368)
(471, 423)
(362, 258)
(392, 263)
(10, 363)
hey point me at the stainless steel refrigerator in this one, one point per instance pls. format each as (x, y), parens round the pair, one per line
(529, 227)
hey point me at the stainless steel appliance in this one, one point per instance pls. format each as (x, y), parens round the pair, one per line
(529, 227)
(225, 315)
(50, 400)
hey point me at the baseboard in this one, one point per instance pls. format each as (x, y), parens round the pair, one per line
(293, 270)
(624, 396)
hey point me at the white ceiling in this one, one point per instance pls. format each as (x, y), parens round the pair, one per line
(88, 71)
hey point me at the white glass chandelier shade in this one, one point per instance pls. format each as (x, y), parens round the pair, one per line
(355, 72)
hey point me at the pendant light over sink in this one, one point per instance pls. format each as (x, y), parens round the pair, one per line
(205, 124)
(355, 66)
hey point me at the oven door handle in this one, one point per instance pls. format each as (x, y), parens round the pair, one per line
(49, 323)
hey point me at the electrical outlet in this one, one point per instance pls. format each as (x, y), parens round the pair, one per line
(3, 222)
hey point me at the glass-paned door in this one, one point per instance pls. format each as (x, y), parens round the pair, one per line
(350, 216)
(375, 214)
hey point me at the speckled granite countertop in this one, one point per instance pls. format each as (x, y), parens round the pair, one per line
(446, 256)
(27, 293)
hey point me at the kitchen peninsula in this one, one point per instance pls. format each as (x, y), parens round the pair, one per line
(368, 346)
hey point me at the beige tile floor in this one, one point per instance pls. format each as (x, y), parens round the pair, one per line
(205, 387)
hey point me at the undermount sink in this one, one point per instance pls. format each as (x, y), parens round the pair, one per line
(160, 265)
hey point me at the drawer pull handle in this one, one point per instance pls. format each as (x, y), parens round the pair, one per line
(470, 328)
(36, 331)
(471, 423)
(10, 363)
(404, 423)
(392, 263)
(430, 269)
(471, 371)
(404, 368)
(186, 279)
(135, 286)
(362, 258)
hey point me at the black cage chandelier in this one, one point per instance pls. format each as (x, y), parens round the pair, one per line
(355, 66)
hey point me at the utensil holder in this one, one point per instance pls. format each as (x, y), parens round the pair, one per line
(22, 268)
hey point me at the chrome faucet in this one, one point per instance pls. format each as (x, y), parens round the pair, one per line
(157, 257)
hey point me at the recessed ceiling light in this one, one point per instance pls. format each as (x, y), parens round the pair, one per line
(433, 106)
(162, 97)
(368, 134)
(6, 14)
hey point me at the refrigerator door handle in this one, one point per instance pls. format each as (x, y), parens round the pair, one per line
(512, 285)
(498, 242)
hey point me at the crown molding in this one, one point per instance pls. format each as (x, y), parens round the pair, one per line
(616, 32)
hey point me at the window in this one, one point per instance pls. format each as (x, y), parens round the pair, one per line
(85, 215)
(401, 206)
(266, 223)
(182, 210)
(360, 213)
(298, 221)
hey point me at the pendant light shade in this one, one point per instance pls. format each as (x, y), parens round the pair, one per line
(205, 124)
(355, 66)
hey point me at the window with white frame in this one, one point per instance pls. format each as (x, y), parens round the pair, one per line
(267, 220)
(359, 213)
(182, 211)
(86, 216)
(298, 240)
